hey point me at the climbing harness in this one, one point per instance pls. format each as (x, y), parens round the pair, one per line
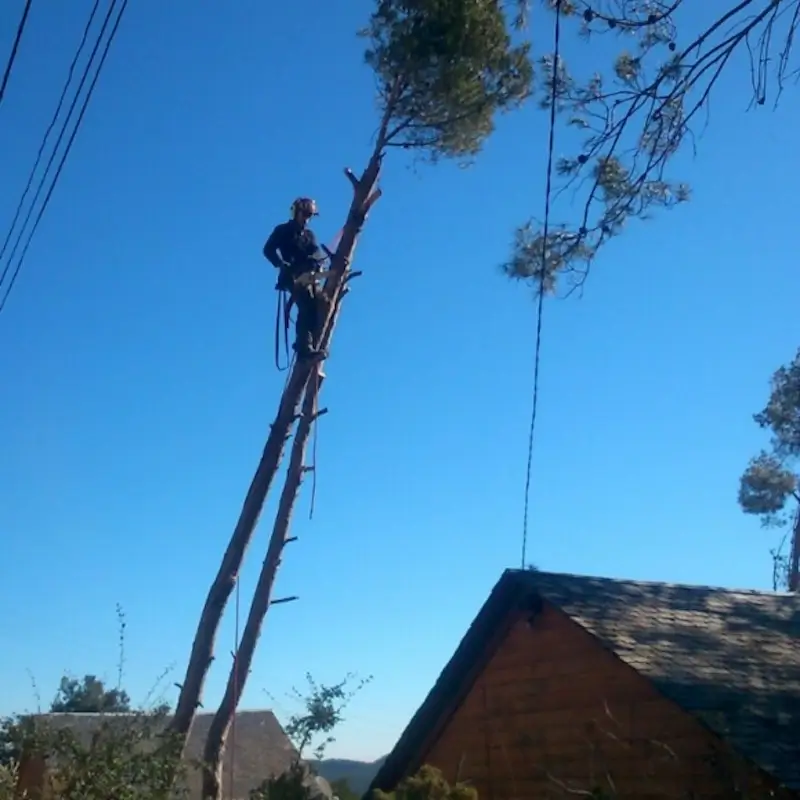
(285, 301)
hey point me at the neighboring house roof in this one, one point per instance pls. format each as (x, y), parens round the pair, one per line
(732, 658)
(260, 745)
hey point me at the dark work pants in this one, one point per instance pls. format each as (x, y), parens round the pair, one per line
(307, 324)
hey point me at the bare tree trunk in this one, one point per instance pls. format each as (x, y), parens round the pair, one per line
(243, 658)
(203, 646)
(794, 555)
(364, 196)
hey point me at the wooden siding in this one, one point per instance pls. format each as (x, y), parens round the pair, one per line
(554, 712)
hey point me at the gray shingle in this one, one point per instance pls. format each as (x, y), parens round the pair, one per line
(730, 657)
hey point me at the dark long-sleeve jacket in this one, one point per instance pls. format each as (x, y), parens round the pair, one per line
(293, 245)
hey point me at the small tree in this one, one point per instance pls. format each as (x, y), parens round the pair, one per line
(770, 487)
(89, 695)
(321, 713)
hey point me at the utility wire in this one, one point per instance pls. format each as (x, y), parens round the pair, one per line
(14, 47)
(47, 133)
(70, 142)
(53, 154)
(540, 303)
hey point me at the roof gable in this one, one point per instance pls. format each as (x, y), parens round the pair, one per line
(732, 658)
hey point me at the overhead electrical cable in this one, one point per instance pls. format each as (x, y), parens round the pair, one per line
(14, 48)
(543, 276)
(46, 136)
(71, 140)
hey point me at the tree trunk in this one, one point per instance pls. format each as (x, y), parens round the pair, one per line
(794, 555)
(364, 195)
(335, 289)
(243, 658)
(203, 646)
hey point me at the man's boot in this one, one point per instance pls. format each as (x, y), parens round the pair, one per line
(306, 326)
(317, 322)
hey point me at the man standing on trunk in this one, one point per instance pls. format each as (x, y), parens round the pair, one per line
(292, 248)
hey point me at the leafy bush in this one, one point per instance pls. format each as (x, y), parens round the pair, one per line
(125, 757)
(428, 784)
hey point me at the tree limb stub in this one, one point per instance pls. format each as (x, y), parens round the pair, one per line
(363, 188)
(350, 175)
(279, 600)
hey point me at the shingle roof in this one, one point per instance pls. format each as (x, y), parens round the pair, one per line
(730, 657)
(260, 745)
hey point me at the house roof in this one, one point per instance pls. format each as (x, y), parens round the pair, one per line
(732, 658)
(260, 746)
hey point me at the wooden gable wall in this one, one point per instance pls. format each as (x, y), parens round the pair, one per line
(553, 711)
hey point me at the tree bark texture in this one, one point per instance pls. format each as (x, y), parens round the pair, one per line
(243, 658)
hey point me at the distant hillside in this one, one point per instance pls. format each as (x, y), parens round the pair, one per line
(359, 774)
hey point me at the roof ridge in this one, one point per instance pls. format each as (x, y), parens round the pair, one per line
(533, 573)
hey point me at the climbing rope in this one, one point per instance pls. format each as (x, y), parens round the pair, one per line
(314, 434)
(235, 688)
(282, 313)
(540, 303)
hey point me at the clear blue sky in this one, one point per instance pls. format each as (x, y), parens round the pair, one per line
(138, 384)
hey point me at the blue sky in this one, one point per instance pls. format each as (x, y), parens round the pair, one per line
(138, 384)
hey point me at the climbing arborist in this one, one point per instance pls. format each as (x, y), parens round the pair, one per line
(292, 248)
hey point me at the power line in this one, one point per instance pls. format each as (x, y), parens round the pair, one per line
(47, 136)
(14, 47)
(70, 142)
(54, 152)
(540, 303)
